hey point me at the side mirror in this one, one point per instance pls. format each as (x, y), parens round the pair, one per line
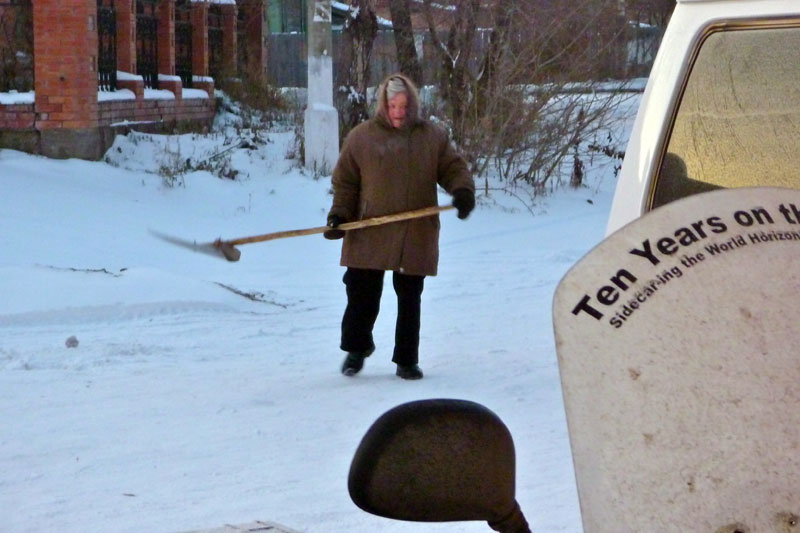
(438, 461)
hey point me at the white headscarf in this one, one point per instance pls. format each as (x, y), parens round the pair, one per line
(395, 86)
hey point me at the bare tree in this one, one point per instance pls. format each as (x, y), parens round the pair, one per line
(521, 93)
(454, 53)
(655, 12)
(361, 28)
(404, 40)
(647, 20)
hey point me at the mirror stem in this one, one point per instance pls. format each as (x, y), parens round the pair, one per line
(513, 522)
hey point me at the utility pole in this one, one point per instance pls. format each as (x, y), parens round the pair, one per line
(321, 118)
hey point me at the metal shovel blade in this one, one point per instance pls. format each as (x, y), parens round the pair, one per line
(217, 248)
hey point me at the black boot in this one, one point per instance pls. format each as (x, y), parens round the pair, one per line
(354, 361)
(409, 371)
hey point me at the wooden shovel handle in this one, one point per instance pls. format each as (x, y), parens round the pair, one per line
(367, 222)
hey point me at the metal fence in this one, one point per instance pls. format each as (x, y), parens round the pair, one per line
(215, 63)
(16, 45)
(107, 45)
(147, 42)
(241, 40)
(183, 41)
(286, 59)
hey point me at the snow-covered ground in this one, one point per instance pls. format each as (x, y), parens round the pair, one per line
(204, 392)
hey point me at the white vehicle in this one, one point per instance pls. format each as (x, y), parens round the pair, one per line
(721, 107)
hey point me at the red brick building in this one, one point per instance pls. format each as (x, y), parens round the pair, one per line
(105, 66)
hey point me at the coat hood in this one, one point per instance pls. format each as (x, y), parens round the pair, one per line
(412, 113)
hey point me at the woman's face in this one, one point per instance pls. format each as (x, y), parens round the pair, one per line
(398, 104)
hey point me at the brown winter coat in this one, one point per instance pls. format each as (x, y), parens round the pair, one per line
(384, 170)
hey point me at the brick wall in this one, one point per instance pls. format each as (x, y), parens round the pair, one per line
(157, 112)
(67, 120)
(17, 116)
(19, 131)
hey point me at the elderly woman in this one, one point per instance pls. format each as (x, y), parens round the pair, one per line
(391, 163)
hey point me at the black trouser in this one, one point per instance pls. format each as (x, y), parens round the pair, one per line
(364, 288)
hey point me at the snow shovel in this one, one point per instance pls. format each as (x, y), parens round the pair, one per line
(227, 248)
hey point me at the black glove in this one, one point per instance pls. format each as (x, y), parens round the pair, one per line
(333, 233)
(464, 201)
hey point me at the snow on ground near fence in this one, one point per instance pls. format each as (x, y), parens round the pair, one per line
(203, 392)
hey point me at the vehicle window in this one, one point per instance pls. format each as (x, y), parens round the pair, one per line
(738, 121)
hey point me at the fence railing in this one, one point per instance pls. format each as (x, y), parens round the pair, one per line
(147, 42)
(107, 45)
(215, 38)
(16, 45)
(183, 42)
(286, 56)
(241, 40)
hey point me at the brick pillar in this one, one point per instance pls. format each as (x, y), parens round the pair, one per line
(229, 39)
(200, 47)
(166, 37)
(166, 49)
(65, 47)
(126, 47)
(256, 32)
(126, 35)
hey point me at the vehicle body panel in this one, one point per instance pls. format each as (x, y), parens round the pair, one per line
(689, 25)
